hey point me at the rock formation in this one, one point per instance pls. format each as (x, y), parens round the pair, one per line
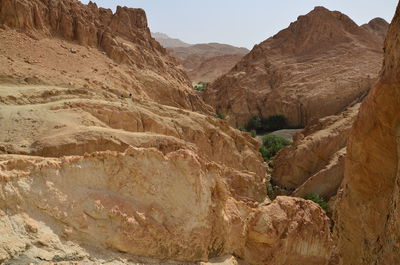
(107, 156)
(367, 213)
(323, 57)
(314, 163)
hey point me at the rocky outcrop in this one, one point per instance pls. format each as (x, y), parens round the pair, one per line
(183, 212)
(292, 73)
(314, 163)
(367, 212)
(124, 36)
(62, 121)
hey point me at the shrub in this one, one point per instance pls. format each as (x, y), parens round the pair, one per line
(220, 116)
(318, 200)
(254, 123)
(271, 192)
(272, 123)
(201, 86)
(271, 145)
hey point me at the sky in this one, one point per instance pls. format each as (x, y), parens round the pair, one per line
(241, 23)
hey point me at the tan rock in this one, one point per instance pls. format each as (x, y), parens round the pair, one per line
(316, 67)
(283, 233)
(96, 168)
(367, 213)
(184, 211)
(147, 70)
(314, 163)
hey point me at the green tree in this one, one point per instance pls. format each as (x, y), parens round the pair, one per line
(271, 145)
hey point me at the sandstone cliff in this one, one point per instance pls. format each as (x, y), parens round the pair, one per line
(368, 214)
(323, 57)
(103, 159)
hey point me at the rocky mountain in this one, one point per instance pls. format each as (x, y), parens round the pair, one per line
(167, 41)
(367, 212)
(108, 157)
(202, 62)
(323, 57)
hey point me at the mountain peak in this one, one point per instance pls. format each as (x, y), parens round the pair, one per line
(320, 9)
(377, 26)
(318, 30)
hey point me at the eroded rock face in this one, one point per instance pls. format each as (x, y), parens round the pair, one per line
(147, 70)
(314, 164)
(184, 211)
(304, 72)
(282, 232)
(367, 215)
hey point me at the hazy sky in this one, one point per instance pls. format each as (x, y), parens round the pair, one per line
(241, 22)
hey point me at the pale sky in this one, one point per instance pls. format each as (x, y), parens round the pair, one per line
(239, 22)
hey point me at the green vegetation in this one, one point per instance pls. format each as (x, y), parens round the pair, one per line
(253, 133)
(272, 123)
(271, 192)
(318, 200)
(271, 145)
(219, 116)
(201, 86)
(324, 205)
(253, 124)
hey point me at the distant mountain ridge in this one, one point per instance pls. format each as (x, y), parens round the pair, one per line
(167, 41)
(205, 61)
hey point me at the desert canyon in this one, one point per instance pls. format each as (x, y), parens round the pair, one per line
(108, 155)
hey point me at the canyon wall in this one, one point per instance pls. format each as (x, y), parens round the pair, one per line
(314, 163)
(367, 213)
